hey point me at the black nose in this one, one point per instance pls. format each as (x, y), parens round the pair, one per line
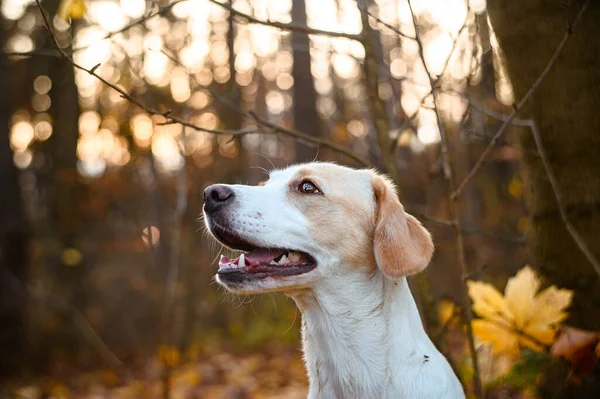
(216, 196)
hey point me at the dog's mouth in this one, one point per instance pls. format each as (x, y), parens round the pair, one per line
(266, 262)
(258, 262)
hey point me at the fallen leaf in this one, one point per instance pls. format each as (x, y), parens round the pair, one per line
(447, 312)
(572, 339)
(522, 318)
(74, 9)
(577, 346)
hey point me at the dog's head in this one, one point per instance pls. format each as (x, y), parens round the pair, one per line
(310, 222)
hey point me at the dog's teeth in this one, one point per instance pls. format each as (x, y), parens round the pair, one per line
(284, 260)
(242, 262)
(294, 256)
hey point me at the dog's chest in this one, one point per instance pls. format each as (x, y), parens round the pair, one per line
(338, 367)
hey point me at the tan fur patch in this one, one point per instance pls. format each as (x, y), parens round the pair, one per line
(341, 218)
(402, 245)
(358, 216)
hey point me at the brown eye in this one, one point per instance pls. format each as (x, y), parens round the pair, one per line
(308, 187)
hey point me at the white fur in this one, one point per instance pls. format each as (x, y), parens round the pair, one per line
(362, 334)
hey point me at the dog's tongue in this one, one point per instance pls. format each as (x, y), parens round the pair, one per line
(263, 255)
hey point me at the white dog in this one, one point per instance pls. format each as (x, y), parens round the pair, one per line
(337, 241)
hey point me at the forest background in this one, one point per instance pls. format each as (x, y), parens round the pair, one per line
(115, 115)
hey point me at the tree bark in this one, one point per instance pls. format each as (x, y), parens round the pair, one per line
(566, 108)
(13, 239)
(306, 118)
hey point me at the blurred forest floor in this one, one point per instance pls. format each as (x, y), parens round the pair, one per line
(276, 371)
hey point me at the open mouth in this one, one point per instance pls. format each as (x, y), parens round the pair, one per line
(259, 263)
(266, 262)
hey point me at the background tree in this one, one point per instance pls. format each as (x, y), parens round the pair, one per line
(306, 118)
(13, 239)
(566, 109)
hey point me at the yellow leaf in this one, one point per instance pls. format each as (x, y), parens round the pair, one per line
(521, 318)
(487, 301)
(446, 312)
(501, 337)
(74, 9)
(515, 188)
(64, 9)
(71, 257)
(547, 313)
(519, 293)
(169, 355)
(78, 9)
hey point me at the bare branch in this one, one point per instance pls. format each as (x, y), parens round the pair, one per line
(520, 105)
(390, 27)
(558, 195)
(498, 235)
(310, 139)
(553, 182)
(173, 119)
(34, 53)
(141, 20)
(286, 26)
(454, 209)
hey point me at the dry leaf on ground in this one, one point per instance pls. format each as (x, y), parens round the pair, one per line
(522, 317)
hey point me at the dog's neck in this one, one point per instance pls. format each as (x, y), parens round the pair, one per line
(363, 337)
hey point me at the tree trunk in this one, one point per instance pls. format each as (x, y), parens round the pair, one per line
(306, 118)
(64, 191)
(566, 108)
(13, 240)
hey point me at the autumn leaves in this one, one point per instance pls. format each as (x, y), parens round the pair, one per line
(525, 320)
(522, 318)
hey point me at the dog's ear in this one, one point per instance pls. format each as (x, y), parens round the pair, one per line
(402, 245)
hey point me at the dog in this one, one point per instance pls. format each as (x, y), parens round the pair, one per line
(339, 243)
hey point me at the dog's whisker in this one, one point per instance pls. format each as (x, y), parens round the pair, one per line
(293, 321)
(274, 303)
(268, 160)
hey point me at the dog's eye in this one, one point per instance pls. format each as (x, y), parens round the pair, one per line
(308, 187)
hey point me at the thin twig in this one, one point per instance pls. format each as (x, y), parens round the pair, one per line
(520, 105)
(272, 127)
(559, 200)
(310, 139)
(549, 172)
(433, 85)
(286, 26)
(139, 21)
(34, 53)
(173, 119)
(498, 235)
(389, 26)
(454, 209)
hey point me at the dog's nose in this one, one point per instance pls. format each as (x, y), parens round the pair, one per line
(216, 196)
